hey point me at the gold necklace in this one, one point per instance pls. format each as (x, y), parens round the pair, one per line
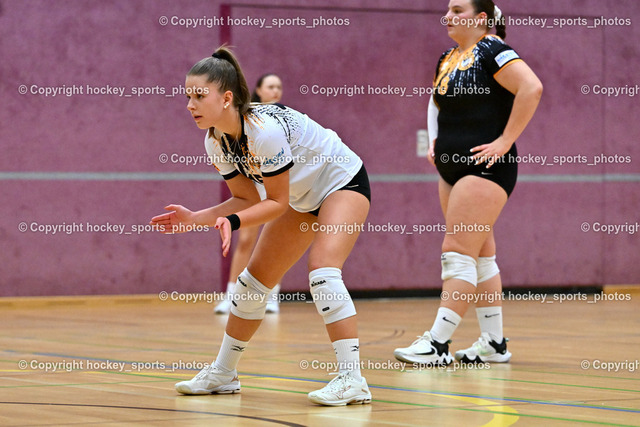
(462, 61)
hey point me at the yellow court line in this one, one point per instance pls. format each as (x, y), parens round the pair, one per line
(503, 420)
(499, 419)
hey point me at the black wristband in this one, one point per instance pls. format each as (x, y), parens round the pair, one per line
(234, 220)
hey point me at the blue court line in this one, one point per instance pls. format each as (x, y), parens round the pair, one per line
(533, 402)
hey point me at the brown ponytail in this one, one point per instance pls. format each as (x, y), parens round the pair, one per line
(489, 7)
(223, 68)
(501, 28)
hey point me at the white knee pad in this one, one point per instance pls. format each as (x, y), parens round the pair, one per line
(249, 299)
(487, 268)
(330, 296)
(458, 266)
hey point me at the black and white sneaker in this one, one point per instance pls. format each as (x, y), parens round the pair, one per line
(485, 350)
(425, 351)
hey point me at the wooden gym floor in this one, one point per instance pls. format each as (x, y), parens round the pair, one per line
(116, 360)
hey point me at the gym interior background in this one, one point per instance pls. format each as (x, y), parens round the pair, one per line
(113, 160)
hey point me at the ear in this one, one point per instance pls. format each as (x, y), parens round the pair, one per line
(228, 97)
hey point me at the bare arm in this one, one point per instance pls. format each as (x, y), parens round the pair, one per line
(245, 202)
(180, 219)
(274, 205)
(243, 196)
(520, 80)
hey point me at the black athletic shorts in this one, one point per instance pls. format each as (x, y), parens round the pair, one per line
(504, 172)
(359, 184)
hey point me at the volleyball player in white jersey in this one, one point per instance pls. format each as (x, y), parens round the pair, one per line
(310, 176)
(268, 90)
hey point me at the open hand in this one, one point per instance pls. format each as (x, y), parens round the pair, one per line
(431, 156)
(224, 226)
(490, 153)
(178, 220)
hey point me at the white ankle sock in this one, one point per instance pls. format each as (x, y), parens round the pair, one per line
(445, 325)
(230, 353)
(348, 355)
(490, 320)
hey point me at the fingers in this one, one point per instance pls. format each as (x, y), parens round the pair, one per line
(161, 217)
(164, 229)
(224, 226)
(431, 157)
(485, 154)
(480, 148)
(173, 208)
(491, 153)
(163, 222)
(482, 157)
(488, 158)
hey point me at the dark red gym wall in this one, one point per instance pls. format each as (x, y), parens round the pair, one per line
(96, 158)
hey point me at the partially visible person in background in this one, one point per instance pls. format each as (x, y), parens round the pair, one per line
(268, 90)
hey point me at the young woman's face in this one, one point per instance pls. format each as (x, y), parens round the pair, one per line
(271, 89)
(462, 19)
(206, 103)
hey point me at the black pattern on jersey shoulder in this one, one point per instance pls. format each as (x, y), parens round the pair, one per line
(489, 47)
(492, 52)
(490, 44)
(284, 116)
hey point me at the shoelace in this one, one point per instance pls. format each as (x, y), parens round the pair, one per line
(420, 338)
(204, 373)
(424, 338)
(341, 378)
(482, 344)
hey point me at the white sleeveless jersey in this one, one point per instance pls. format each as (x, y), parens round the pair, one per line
(275, 139)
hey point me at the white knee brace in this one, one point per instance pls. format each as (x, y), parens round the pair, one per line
(330, 296)
(487, 268)
(458, 266)
(249, 299)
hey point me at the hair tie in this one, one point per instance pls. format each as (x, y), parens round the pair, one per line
(497, 13)
(217, 55)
